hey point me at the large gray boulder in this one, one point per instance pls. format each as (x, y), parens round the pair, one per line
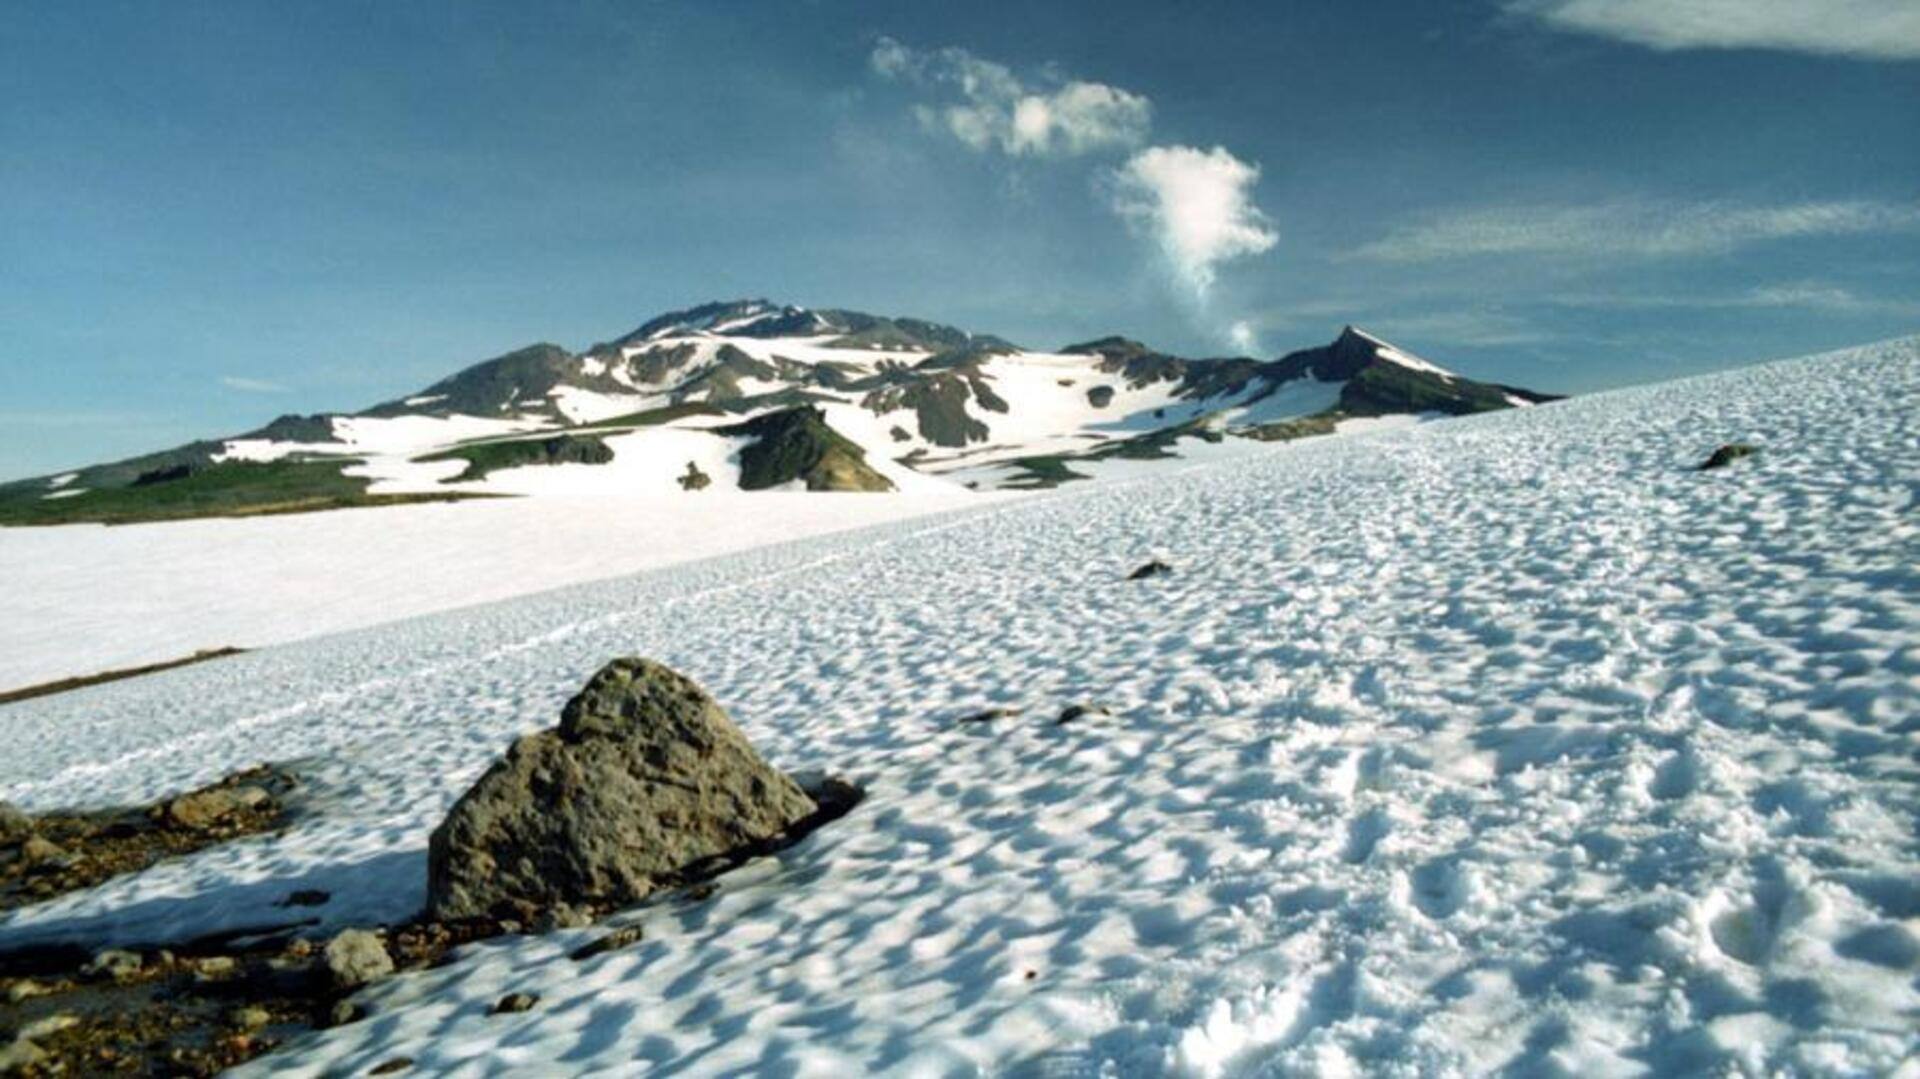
(644, 776)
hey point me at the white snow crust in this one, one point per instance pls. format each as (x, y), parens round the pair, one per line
(1510, 744)
(85, 598)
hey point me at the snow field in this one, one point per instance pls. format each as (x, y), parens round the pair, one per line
(85, 598)
(1503, 743)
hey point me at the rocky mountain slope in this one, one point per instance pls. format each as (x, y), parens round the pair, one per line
(749, 395)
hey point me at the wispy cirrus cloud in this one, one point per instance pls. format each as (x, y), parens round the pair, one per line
(990, 108)
(1862, 29)
(1811, 295)
(1631, 229)
(251, 385)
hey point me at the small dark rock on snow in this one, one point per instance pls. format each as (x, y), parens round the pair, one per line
(1082, 711)
(988, 715)
(1155, 568)
(612, 942)
(513, 1003)
(1726, 455)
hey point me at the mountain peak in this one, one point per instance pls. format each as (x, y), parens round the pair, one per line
(729, 316)
(1114, 348)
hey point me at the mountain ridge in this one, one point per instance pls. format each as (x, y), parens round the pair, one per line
(897, 403)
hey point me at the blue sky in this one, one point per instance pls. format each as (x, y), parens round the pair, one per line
(211, 214)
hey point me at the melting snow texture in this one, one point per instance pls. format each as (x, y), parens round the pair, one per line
(1504, 743)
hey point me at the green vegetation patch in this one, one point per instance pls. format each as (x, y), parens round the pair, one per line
(222, 489)
(486, 457)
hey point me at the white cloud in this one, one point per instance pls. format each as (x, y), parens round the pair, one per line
(990, 108)
(1867, 29)
(1243, 336)
(251, 385)
(1634, 229)
(1197, 206)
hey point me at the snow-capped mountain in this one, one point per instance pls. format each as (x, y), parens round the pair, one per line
(753, 395)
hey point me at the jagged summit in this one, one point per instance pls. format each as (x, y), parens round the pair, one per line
(720, 388)
(744, 318)
(764, 320)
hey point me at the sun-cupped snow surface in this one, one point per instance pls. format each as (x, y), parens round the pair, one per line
(1512, 743)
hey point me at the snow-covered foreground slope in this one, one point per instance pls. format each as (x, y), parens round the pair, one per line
(1504, 743)
(85, 598)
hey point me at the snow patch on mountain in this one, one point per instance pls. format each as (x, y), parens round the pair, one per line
(1395, 355)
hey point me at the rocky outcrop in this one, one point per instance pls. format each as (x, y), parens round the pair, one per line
(796, 444)
(60, 851)
(484, 458)
(644, 777)
(205, 809)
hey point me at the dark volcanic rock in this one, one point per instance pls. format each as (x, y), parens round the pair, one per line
(1726, 455)
(644, 777)
(515, 1002)
(623, 937)
(796, 444)
(1074, 712)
